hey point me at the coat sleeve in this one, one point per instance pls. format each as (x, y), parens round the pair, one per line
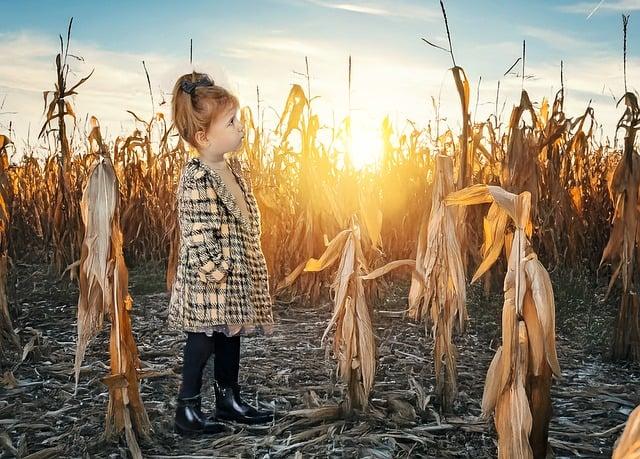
(208, 246)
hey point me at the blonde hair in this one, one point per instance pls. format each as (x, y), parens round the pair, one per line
(195, 110)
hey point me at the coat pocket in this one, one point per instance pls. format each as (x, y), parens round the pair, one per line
(216, 300)
(208, 252)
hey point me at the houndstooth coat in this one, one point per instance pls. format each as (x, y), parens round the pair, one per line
(221, 276)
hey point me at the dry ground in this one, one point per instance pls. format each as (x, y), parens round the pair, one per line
(290, 371)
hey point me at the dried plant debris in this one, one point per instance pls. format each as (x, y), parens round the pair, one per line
(290, 372)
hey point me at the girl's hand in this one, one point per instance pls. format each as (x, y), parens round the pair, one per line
(217, 275)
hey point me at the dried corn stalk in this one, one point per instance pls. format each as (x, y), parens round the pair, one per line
(628, 445)
(624, 242)
(63, 211)
(438, 290)
(103, 288)
(466, 157)
(7, 333)
(353, 341)
(518, 385)
(312, 193)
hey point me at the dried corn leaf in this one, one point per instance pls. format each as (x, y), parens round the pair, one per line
(292, 113)
(99, 200)
(539, 283)
(513, 416)
(492, 386)
(438, 286)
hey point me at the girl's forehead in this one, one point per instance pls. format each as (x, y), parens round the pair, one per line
(231, 110)
(224, 116)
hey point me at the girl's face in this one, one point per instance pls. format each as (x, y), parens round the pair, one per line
(226, 132)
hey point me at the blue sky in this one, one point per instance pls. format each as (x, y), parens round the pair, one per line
(249, 43)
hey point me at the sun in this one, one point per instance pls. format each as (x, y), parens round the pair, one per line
(365, 147)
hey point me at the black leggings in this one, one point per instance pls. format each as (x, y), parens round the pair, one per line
(198, 349)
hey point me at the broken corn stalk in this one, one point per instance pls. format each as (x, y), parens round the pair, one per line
(353, 341)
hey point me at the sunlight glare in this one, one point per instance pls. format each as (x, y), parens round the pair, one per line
(366, 147)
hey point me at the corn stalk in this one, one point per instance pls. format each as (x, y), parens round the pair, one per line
(311, 161)
(353, 341)
(622, 248)
(438, 290)
(518, 384)
(7, 333)
(104, 288)
(64, 211)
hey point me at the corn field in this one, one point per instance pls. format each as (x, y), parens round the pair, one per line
(549, 198)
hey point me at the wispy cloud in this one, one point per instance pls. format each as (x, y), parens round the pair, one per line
(587, 8)
(396, 9)
(554, 38)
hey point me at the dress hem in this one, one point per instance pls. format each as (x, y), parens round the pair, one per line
(266, 329)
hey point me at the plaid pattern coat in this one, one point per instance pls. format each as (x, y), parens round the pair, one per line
(221, 277)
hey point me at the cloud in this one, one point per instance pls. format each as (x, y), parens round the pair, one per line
(611, 6)
(386, 80)
(118, 82)
(555, 39)
(396, 9)
(499, 48)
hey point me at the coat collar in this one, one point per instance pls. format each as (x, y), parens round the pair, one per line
(229, 200)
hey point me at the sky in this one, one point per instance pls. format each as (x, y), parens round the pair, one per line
(247, 45)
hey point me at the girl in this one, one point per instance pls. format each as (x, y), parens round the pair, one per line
(221, 288)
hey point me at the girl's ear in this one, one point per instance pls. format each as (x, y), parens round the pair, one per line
(201, 138)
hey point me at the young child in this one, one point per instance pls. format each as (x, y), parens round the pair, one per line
(221, 288)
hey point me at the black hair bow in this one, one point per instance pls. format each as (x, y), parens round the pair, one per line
(190, 86)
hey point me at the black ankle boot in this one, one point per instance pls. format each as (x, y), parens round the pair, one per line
(190, 420)
(231, 407)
